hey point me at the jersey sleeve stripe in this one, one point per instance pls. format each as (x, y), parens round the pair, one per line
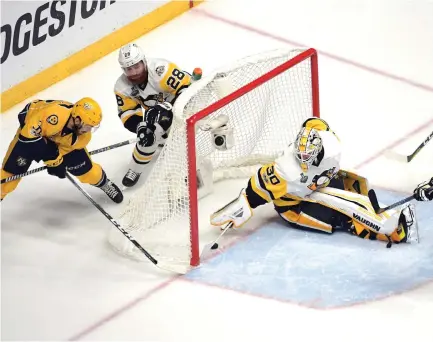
(28, 140)
(259, 187)
(127, 113)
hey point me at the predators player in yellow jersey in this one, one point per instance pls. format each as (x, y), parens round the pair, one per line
(309, 190)
(145, 93)
(57, 132)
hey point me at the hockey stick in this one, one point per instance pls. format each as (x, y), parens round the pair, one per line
(406, 159)
(206, 251)
(168, 267)
(99, 150)
(375, 203)
(214, 245)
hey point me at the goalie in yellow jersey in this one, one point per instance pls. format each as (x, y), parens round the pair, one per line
(57, 132)
(145, 93)
(309, 190)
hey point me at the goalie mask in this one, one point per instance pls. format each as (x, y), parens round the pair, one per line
(307, 147)
(133, 63)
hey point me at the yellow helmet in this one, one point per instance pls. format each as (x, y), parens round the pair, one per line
(88, 110)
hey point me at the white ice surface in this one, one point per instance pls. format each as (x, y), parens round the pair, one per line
(61, 281)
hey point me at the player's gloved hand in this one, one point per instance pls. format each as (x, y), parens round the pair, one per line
(161, 113)
(53, 159)
(424, 191)
(56, 167)
(145, 134)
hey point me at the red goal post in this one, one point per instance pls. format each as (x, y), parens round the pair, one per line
(191, 122)
(266, 98)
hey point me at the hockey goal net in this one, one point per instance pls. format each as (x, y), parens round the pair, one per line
(266, 97)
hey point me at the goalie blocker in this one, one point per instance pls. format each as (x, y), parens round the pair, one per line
(309, 190)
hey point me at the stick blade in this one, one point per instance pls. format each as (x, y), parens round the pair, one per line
(175, 268)
(209, 251)
(390, 154)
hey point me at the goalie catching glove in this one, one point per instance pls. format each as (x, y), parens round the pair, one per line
(237, 211)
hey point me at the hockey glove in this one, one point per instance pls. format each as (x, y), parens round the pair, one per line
(145, 134)
(53, 159)
(56, 167)
(424, 191)
(237, 211)
(161, 113)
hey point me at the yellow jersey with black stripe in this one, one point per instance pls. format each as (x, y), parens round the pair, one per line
(48, 119)
(165, 82)
(285, 183)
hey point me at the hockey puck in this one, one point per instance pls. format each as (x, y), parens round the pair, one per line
(214, 246)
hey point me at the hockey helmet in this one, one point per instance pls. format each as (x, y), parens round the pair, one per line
(89, 112)
(133, 63)
(130, 54)
(307, 147)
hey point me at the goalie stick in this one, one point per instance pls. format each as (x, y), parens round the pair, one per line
(99, 150)
(167, 267)
(407, 159)
(207, 250)
(214, 245)
(375, 203)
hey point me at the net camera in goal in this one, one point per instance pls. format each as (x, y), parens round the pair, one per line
(222, 135)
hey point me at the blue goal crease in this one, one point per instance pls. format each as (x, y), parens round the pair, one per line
(321, 270)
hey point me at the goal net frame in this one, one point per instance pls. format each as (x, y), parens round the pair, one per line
(191, 122)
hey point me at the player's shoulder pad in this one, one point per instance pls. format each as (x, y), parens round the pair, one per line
(55, 116)
(123, 86)
(287, 166)
(158, 68)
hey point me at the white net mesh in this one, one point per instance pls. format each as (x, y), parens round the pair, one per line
(264, 121)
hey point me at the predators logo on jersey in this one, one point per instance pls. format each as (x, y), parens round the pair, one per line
(53, 119)
(21, 161)
(40, 121)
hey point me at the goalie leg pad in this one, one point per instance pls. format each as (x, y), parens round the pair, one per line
(406, 231)
(237, 211)
(310, 215)
(408, 225)
(303, 220)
